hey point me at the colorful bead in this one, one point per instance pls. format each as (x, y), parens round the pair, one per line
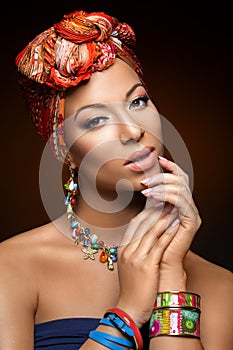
(95, 246)
(91, 243)
(94, 238)
(101, 244)
(71, 185)
(114, 258)
(73, 201)
(103, 257)
(74, 234)
(74, 224)
(87, 231)
(85, 243)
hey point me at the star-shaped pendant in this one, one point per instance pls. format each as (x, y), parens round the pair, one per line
(89, 253)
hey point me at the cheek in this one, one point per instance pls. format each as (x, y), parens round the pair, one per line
(93, 149)
(108, 172)
(83, 148)
(150, 120)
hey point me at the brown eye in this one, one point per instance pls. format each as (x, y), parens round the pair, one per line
(139, 102)
(95, 122)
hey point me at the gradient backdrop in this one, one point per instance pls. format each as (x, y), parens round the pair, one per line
(186, 51)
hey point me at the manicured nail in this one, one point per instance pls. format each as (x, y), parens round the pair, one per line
(173, 225)
(163, 158)
(146, 191)
(145, 181)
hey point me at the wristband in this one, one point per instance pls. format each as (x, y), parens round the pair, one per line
(177, 299)
(128, 321)
(110, 341)
(175, 321)
(119, 324)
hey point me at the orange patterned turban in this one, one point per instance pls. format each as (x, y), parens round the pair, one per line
(65, 55)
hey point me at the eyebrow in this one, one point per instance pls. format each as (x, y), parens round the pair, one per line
(93, 105)
(132, 89)
(102, 105)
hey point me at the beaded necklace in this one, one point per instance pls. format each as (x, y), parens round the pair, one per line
(81, 235)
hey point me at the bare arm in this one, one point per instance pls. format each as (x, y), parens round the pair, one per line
(17, 302)
(217, 310)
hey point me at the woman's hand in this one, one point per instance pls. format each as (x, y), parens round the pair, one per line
(139, 257)
(172, 187)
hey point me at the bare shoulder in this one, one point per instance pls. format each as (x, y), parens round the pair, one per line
(203, 273)
(21, 254)
(23, 258)
(16, 248)
(27, 252)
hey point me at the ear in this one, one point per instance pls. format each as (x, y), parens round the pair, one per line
(70, 161)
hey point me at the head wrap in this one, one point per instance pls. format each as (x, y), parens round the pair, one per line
(63, 56)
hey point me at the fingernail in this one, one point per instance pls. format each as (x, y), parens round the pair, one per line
(173, 225)
(146, 191)
(163, 158)
(152, 202)
(145, 181)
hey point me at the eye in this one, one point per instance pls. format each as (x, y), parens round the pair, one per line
(139, 102)
(95, 122)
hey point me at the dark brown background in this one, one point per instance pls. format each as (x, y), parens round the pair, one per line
(186, 51)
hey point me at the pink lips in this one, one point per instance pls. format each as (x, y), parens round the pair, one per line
(141, 160)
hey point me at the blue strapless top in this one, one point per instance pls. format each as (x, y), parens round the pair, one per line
(67, 333)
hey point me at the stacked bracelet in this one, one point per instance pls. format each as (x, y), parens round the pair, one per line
(177, 299)
(127, 321)
(110, 341)
(176, 313)
(117, 318)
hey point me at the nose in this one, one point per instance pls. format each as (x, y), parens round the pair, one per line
(130, 133)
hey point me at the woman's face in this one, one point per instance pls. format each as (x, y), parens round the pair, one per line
(113, 130)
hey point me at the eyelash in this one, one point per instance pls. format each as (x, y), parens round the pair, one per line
(88, 124)
(144, 99)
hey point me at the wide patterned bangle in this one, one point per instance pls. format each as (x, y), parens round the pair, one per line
(175, 321)
(130, 323)
(177, 299)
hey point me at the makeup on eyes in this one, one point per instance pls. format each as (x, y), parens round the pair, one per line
(92, 116)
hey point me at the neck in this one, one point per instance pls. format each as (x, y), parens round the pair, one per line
(111, 218)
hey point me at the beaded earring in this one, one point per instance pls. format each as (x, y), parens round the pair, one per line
(72, 191)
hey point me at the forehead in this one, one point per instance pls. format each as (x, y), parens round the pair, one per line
(109, 85)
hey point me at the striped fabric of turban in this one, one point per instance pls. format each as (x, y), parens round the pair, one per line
(65, 55)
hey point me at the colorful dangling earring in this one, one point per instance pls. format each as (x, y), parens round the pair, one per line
(90, 242)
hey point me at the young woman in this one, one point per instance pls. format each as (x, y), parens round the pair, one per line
(116, 270)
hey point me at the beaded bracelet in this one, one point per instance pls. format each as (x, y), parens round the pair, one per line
(175, 321)
(177, 299)
(127, 320)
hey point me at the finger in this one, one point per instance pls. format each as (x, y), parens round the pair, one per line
(164, 178)
(145, 220)
(180, 197)
(172, 167)
(164, 240)
(141, 245)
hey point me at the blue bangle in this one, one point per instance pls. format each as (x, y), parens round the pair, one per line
(106, 322)
(120, 324)
(110, 341)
